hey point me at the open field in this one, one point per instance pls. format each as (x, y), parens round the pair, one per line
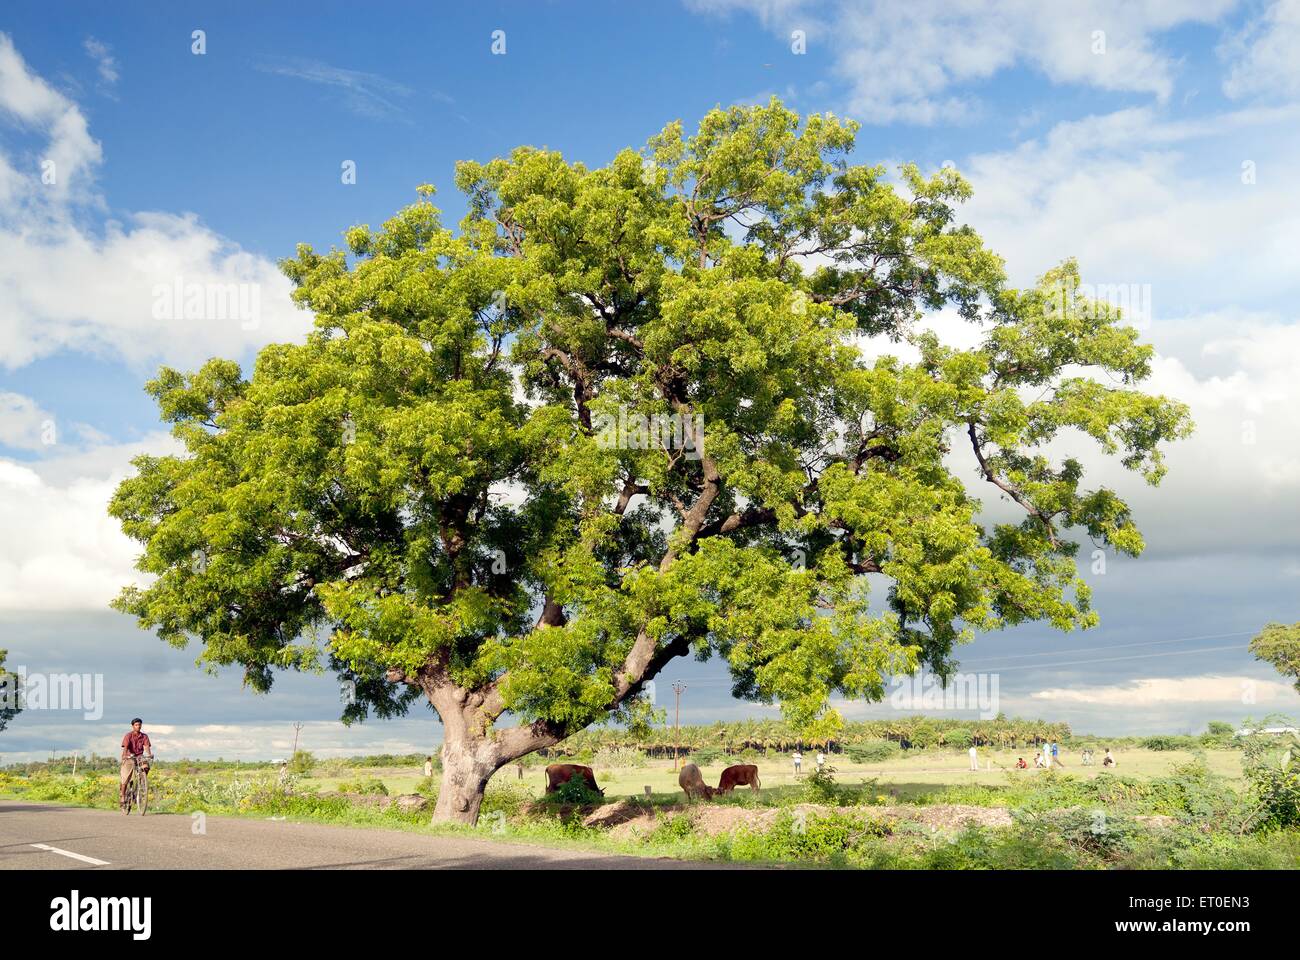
(915, 774)
(1158, 809)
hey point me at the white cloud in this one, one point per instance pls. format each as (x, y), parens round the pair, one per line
(61, 550)
(69, 286)
(23, 424)
(29, 102)
(1266, 55)
(1162, 690)
(902, 61)
(365, 94)
(104, 61)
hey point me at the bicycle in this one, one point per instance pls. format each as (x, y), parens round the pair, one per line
(137, 787)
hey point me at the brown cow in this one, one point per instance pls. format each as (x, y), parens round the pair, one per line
(739, 775)
(561, 773)
(692, 781)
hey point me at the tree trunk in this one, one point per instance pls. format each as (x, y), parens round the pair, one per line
(467, 765)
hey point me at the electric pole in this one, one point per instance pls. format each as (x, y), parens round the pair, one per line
(678, 688)
(296, 727)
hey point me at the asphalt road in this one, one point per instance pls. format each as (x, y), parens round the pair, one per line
(47, 837)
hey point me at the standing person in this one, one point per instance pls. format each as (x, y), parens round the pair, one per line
(1047, 756)
(134, 744)
(428, 766)
(798, 761)
(974, 757)
(821, 761)
(1056, 753)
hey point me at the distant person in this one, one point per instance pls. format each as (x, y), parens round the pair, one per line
(1038, 760)
(1056, 753)
(428, 766)
(1047, 757)
(1108, 760)
(821, 761)
(974, 757)
(134, 745)
(798, 761)
(1087, 758)
(1020, 763)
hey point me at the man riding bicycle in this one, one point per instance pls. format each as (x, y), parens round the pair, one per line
(136, 748)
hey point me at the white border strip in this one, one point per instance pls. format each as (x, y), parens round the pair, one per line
(69, 853)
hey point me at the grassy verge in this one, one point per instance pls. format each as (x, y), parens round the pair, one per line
(1058, 821)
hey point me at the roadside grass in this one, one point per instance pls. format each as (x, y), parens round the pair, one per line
(1060, 820)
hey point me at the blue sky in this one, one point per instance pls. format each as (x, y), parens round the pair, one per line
(1157, 141)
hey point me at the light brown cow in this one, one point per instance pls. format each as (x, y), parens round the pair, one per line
(692, 781)
(558, 774)
(739, 775)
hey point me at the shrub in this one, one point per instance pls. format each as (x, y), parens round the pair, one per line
(364, 785)
(1272, 770)
(302, 763)
(575, 791)
(706, 756)
(872, 751)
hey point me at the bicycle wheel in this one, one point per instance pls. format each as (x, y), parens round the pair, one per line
(142, 792)
(128, 796)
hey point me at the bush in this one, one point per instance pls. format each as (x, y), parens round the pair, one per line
(706, 756)
(364, 785)
(302, 763)
(575, 791)
(872, 751)
(1272, 769)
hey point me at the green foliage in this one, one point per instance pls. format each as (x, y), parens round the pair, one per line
(1220, 728)
(302, 763)
(706, 756)
(872, 751)
(363, 785)
(801, 836)
(333, 509)
(575, 791)
(674, 828)
(1272, 768)
(1279, 645)
(1167, 742)
(10, 694)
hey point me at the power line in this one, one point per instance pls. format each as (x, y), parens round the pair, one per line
(1140, 656)
(1112, 646)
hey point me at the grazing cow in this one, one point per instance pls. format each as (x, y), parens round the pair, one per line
(561, 773)
(740, 775)
(692, 781)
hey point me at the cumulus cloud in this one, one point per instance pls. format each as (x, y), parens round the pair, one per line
(1266, 55)
(1151, 691)
(903, 61)
(153, 286)
(61, 550)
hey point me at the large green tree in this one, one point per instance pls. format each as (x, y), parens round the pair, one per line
(1279, 645)
(11, 694)
(449, 491)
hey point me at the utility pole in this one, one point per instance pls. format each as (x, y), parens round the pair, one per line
(296, 727)
(678, 688)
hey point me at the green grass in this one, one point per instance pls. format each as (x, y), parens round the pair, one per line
(1055, 815)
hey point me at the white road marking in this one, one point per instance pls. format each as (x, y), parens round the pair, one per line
(69, 853)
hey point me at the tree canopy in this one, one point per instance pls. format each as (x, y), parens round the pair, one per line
(1279, 645)
(460, 485)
